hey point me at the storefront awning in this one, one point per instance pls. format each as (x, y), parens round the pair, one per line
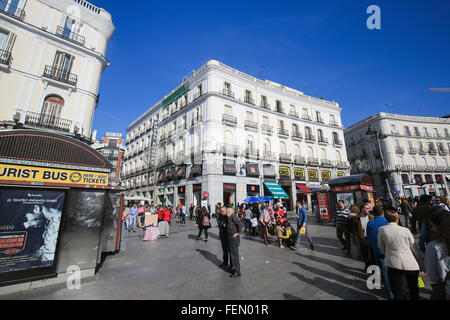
(303, 188)
(276, 190)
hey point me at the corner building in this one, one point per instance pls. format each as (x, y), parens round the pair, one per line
(226, 133)
(52, 56)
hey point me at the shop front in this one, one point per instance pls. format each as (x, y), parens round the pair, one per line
(229, 193)
(181, 195)
(252, 190)
(56, 208)
(300, 184)
(197, 194)
(275, 191)
(286, 183)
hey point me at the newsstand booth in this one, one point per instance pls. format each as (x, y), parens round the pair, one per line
(353, 189)
(57, 213)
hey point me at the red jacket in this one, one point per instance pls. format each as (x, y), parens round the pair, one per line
(167, 215)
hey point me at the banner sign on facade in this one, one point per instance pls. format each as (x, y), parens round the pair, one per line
(312, 174)
(46, 175)
(29, 230)
(353, 188)
(326, 175)
(299, 174)
(285, 172)
(340, 174)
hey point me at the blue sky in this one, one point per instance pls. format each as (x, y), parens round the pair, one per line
(322, 48)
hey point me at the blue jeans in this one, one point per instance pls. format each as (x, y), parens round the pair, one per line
(132, 222)
(299, 235)
(384, 275)
(248, 226)
(183, 218)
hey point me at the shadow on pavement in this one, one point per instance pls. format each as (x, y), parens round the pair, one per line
(359, 284)
(348, 270)
(210, 257)
(288, 296)
(334, 289)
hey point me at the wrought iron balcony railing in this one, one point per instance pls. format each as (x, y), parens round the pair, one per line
(249, 100)
(323, 140)
(297, 135)
(310, 137)
(283, 132)
(13, 11)
(251, 153)
(266, 128)
(326, 163)
(251, 124)
(412, 150)
(230, 150)
(337, 142)
(5, 57)
(269, 155)
(229, 119)
(265, 106)
(313, 161)
(300, 160)
(46, 121)
(284, 157)
(306, 117)
(197, 120)
(334, 123)
(60, 75)
(72, 36)
(228, 93)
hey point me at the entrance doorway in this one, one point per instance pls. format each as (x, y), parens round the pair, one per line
(229, 193)
(197, 191)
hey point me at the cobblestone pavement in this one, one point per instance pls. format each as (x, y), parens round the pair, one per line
(181, 267)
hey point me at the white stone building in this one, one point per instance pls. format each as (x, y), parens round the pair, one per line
(226, 133)
(52, 55)
(415, 152)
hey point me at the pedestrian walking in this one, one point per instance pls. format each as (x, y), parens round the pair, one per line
(203, 223)
(248, 222)
(437, 260)
(395, 243)
(421, 212)
(183, 214)
(377, 255)
(302, 223)
(191, 212)
(407, 210)
(360, 223)
(342, 222)
(133, 217)
(264, 220)
(234, 228)
(126, 217)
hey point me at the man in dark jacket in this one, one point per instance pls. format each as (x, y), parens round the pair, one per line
(234, 228)
(222, 220)
(421, 212)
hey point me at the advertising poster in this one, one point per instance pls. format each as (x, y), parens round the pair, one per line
(348, 198)
(29, 227)
(324, 207)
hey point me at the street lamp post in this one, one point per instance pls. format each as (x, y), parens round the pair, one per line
(371, 131)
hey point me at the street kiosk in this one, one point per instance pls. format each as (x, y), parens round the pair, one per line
(354, 189)
(57, 212)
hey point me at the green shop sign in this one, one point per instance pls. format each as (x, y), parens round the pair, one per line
(175, 95)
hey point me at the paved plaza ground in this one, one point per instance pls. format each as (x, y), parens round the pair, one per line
(181, 267)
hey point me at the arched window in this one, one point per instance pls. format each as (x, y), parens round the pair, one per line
(323, 154)
(267, 145)
(250, 143)
(434, 162)
(338, 156)
(310, 152)
(51, 111)
(297, 150)
(283, 148)
(320, 134)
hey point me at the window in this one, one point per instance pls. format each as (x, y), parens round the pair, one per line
(294, 130)
(283, 148)
(426, 132)
(62, 65)
(6, 42)
(51, 111)
(228, 110)
(436, 133)
(264, 101)
(318, 117)
(305, 111)
(248, 97)
(335, 137)
(279, 107)
(407, 132)
(308, 132)
(320, 134)
(297, 150)
(227, 88)
(267, 146)
(446, 133)
(393, 129)
(12, 6)
(249, 116)
(332, 119)
(416, 131)
(250, 144)
(265, 120)
(281, 124)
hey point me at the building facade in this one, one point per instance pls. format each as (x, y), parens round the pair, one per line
(414, 149)
(226, 133)
(52, 55)
(112, 148)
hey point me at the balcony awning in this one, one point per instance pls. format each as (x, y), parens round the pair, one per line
(276, 190)
(303, 188)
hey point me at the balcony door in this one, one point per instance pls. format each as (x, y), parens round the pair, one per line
(62, 65)
(51, 111)
(11, 6)
(68, 26)
(3, 39)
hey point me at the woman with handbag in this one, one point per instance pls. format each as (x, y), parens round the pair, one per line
(203, 223)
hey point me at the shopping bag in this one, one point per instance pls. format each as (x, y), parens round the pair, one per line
(302, 230)
(421, 284)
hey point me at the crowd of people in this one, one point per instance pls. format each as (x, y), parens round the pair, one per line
(381, 240)
(376, 231)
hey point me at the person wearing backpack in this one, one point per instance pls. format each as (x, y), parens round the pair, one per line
(203, 223)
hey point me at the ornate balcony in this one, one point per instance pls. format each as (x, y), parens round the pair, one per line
(266, 129)
(313, 161)
(268, 155)
(229, 119)
(337, 143)
(46, 121)
(296, 135)
(284, 157)
(5, 57)
(249, 100)
(323, 140)
(310, 138)
(71, 36)
(230, 150)
(306, 117)
(251, 124)
(227, 93)
(197, 120)
(11, 10)
(283, 132)
(334, 123)
(293, 114)
(326, 163)
(251, 153)
(342, 165)
(265, 106)
(300, 160)
(60, 75)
